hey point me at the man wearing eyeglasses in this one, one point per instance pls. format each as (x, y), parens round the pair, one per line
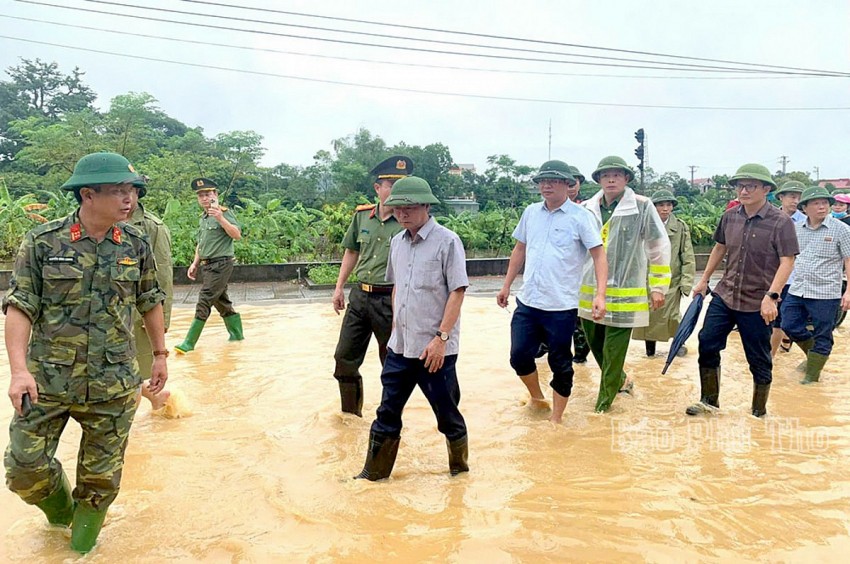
(759, 243)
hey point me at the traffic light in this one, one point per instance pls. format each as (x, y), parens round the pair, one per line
(639, 152)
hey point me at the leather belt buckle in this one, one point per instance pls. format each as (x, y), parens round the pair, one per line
(366, 288)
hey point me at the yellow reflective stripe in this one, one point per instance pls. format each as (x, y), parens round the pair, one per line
(616, 292)
(617, 307)
(659, 281)
(659, 269)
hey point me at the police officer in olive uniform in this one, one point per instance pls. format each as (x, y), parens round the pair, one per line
(76, 287)
(214, 255)
(367, 249)
(159, 238)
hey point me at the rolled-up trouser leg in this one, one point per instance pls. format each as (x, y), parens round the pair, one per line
(100, 461)
(559, 327)
(32, 472)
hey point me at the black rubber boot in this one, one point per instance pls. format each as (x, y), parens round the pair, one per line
(814, 365)
(458, 454)
(380, 457)
(351, 397)
(650, 348)
(582, 348)
(709, 379)
(760, 393)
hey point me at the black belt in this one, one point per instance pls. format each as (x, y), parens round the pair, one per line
(370, 289)
(216, 259)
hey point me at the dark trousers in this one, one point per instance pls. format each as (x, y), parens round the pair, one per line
(529, 328)
(796, 313)
(400, 376)
(609, 346)
(367, 314)
(213, 292)
(755, 336)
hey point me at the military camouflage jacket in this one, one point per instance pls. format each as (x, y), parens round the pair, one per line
(80, 296)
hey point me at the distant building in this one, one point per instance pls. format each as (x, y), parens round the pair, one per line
(460, 205)
(842, 183)
(703, 184)
(458, 169)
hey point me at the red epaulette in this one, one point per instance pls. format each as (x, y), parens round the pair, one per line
(365, 207)
(76, 232)
(116, 235)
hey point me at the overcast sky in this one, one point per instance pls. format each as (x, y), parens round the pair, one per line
(298, 117)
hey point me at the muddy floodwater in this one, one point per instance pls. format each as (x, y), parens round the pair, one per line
(261, 470)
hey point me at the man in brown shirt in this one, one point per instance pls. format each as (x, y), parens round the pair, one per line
(759, 243)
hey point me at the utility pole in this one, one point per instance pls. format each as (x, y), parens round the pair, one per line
(693, 168)
(817, 174)
(550, 140)
(784, 160)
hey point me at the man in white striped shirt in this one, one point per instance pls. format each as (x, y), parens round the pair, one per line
(815, 293)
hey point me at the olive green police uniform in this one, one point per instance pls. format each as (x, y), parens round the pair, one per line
(216, 253)
(81, 296)
(370, 301)
(159, 238)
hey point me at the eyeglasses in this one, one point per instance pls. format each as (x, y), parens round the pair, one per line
(748, 187)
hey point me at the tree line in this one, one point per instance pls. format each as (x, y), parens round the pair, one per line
(48, 120)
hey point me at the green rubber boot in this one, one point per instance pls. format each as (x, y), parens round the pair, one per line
(805, 346)
(814, 364)
(188, 343)
(86, 527)
(234, 327)
(58, 506)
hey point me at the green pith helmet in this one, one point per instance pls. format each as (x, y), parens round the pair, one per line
(753, 171)
(613, 163)
(791, 186)
(409, 191)
(103, 168)
(577, 174)
(664, 196)
(555, 170)
(814, 193)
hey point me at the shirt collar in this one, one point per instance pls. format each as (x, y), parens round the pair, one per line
(424, 230)
(762, 210)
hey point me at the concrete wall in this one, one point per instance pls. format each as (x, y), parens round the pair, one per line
(292, 270)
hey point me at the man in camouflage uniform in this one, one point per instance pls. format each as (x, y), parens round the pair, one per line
(159, 238)
(370, 308)
(214, 255)
(69, 311)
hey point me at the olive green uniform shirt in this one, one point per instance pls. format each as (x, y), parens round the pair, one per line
(607, 211)
(81, 296)
(213, 240)
(159, 238)
(370, 237)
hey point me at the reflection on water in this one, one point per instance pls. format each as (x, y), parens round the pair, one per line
(262, 469)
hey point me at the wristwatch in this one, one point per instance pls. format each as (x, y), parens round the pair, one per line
(772, 295)
(443, 336)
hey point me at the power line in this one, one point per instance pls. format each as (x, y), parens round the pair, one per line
(502, 37)
(386, 88)
(397, 63)
(697, 68)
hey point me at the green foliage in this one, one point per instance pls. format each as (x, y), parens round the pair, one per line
(327, 274)
(487, 233)
(17, 216)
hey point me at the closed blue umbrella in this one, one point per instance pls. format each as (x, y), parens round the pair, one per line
(686, 327)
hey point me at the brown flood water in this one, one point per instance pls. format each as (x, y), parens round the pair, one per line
(261, 471)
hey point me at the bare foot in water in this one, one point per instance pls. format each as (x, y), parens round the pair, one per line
(536, 404)
(158, 399)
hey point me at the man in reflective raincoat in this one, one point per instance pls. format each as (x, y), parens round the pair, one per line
(638, 253)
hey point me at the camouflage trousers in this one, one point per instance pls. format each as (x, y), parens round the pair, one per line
(33, 472)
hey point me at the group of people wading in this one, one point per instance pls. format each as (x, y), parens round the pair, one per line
(89, 301)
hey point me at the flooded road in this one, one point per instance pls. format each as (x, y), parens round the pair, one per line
(261, 471)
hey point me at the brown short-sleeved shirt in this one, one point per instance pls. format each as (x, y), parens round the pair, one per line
(753, 248)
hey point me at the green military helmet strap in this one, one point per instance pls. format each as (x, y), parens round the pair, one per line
(103, 168)
(814, 193)
(410, 191)
(664, 196)
(791, 186)
(753, 171)
(555, 170)
(613, 162)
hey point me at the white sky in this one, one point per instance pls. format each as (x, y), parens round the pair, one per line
(298, 118)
